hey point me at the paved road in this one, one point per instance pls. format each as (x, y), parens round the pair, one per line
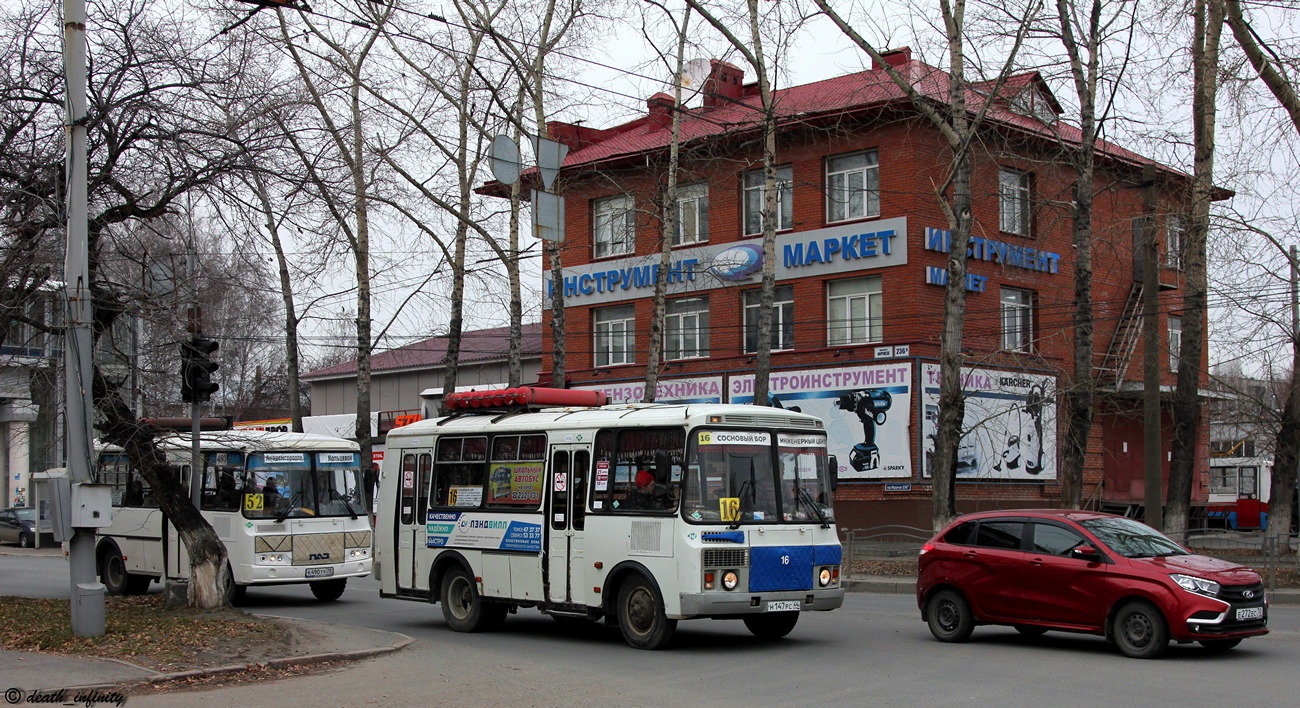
(874, 651)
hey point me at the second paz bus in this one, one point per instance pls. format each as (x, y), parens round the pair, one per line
(641, 514)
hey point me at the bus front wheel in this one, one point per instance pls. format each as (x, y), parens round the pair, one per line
(641, 615)
(328, 590)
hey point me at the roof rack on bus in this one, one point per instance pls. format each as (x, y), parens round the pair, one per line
(185, 424)
(521, 399)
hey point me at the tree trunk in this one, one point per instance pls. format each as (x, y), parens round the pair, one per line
(1186, 404)
(286, 296)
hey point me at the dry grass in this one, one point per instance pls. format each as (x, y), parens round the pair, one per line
(141, 630)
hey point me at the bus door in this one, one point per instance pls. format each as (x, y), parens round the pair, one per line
(412, 516)
(176, 564)
(565, 558)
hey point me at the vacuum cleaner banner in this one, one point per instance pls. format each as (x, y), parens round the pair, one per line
(866, 409)
(1010, 424)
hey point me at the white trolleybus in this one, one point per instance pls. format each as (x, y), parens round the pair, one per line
(641, 514)
(287, 506)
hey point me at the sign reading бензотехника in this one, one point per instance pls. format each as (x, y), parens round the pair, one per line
(843, 248)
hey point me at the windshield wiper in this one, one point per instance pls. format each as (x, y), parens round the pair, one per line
(803, 495)
(340, 497)
(747, 484)
(293, 504)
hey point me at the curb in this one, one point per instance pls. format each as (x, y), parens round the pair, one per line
(402, 642)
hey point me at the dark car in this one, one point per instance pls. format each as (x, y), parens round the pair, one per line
(1081, 571)
(18, 525)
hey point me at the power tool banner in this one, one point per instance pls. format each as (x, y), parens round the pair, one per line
(866, 409)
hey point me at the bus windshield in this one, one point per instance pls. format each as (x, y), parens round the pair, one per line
(733, 477)
(300, 484)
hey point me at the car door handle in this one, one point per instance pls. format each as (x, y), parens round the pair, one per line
(1037, 561)
(969, 554)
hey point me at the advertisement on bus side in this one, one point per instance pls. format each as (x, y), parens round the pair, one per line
(497, 532)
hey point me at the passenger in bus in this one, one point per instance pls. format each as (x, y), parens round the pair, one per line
(134, 495)
(270, 494)
(642, 495)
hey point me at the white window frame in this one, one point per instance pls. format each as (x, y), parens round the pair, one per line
(753, 200)
(782, 318)
(1017, 319)
(1175, 341)
(853, 186)
(854, 311)
(686, 328)
(692, 209)
(1014, 193)
(613, 226)
(1175, 237)
(615, 335)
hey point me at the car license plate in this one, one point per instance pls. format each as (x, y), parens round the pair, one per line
(784, 606)
(1250, 613)
(320, 572)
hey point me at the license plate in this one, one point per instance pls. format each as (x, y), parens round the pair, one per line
(784, 606)
(320, 572)
(1250, 613)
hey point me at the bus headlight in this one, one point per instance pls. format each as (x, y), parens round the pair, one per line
(274, 559)
(824, 577)
(730, 580)
(358, 553)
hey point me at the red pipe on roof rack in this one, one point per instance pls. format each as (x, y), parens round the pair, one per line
(524, 396)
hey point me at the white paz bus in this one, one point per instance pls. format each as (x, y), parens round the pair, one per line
(642, 514)
(287, 506)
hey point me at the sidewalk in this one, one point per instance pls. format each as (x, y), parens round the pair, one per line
(319, 642)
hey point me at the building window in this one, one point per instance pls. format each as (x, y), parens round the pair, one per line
(853, 311)
(615, 335)
(686, 328)
(852, 186)
(782, 318)
(1175, 341)
(1175, 230)
(1013, 202)
(692, 215)
(1017, 319)
(754, 200)
(615, 225)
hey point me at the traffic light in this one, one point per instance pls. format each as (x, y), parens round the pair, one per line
(196, 370)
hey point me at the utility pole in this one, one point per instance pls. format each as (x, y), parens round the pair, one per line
(79, 509)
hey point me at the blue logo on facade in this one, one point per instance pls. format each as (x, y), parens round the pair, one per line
(738, 262)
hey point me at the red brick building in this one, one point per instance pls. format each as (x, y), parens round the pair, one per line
(861, 255)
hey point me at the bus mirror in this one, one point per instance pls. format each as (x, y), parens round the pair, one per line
(663, 467)
(834, 473)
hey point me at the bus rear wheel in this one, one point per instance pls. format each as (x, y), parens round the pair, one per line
(328, 590)
(773, 625)
(641, 614)
(463, 608)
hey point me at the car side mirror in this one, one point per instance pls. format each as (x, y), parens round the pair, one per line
(835, 473)
(1088, 553)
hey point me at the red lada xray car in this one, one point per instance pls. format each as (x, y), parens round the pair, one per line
(1083, 571)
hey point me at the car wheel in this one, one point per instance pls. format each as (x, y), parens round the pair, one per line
(24, 541)
(949, 617)
(462, 607)
(641, 615)
(1140, 631)
(1218, 645)
(1030, 630)
(328, 590)
(772, 625)
(112, 571)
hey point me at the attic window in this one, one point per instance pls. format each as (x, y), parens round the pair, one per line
(1033, 104)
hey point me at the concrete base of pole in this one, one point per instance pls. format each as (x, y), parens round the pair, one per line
(176, 592)
(88, 609)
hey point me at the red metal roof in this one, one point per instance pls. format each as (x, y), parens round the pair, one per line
(861, 91)
(479, 345)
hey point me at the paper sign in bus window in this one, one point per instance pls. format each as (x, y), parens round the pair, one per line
(254, 502)
(464, 496)
(729, 507)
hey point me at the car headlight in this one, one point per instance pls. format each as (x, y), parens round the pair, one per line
(1200, 586)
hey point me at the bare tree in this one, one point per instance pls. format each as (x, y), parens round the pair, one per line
(957, 125)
